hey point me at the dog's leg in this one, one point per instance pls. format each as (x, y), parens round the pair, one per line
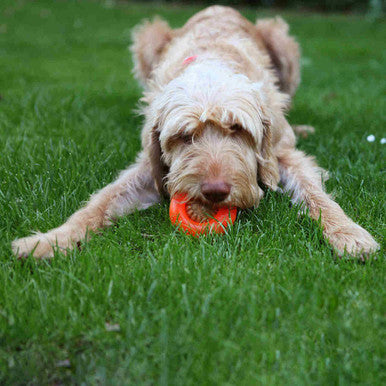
(302, 178)
(134, 189)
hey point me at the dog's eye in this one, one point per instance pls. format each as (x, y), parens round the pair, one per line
(186, 138)
(236, 127)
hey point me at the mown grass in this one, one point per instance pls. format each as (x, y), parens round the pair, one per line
(266, 304)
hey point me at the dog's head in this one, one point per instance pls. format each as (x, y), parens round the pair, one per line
(211, 137)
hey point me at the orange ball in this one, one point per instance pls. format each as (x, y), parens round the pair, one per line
(217, 224)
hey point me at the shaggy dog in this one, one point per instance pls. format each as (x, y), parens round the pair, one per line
(216, 93)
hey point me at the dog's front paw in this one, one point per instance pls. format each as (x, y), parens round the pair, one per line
(354, 240)
(39, 246)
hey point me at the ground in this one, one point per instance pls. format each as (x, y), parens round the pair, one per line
(269, 303)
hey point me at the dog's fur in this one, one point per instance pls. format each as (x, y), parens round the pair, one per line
(218, 116)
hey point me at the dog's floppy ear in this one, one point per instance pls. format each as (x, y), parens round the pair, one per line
(283, 50)
(268, 168)
(149, 41)
(158, 168)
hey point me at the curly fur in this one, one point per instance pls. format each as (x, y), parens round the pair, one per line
(219, 117)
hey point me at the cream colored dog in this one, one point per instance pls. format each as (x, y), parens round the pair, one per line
(216, 92)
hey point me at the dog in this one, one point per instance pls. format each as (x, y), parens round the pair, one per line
(215, 96)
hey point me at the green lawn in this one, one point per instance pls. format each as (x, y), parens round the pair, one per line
(266, 304)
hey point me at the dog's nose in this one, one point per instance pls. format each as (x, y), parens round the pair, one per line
(215, 191)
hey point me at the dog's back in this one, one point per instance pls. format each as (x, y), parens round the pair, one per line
(221, 33)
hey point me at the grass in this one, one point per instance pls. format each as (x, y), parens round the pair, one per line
(266, 304)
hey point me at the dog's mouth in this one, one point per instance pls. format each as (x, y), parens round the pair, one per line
(199, 211)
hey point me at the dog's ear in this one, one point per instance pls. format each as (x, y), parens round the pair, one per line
(149, 41)
(283, 50)
(268, 168)
(158, 168)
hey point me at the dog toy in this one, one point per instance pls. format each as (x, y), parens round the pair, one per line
(217, 223)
